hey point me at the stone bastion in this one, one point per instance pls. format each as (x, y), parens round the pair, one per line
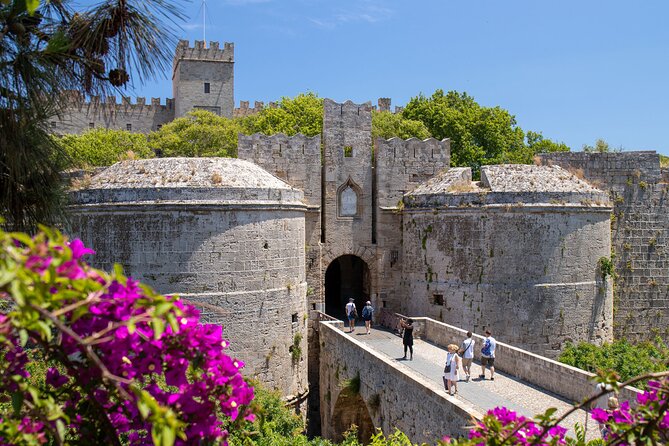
(517, 252)
(223, 234)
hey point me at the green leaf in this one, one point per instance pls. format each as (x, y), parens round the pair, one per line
(60, 428)
(23, 337)
(158, 327)
(173, 322)
(168, 436)
(17, 402)
(163, 308)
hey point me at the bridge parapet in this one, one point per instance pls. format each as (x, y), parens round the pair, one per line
(391, 395)
(564, 380)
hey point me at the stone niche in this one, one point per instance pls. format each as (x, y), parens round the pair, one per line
(219, 231)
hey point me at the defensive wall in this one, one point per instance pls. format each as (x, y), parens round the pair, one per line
(400, 166)
(139, 116)
(517, 252)
(223, 234)
(639, 192)
(390, 395)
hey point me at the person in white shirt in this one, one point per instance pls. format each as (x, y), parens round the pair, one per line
(467, 352)
(351, 314)
(488, 355)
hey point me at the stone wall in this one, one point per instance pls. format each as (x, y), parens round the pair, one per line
(220, 232)
(400, 166)
(348, 185)
(137, 117)
(500, 257)
(297, 161)
(640, 235)
(422, 410)
(197, 65)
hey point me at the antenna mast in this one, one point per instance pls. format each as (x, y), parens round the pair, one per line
(204, 22)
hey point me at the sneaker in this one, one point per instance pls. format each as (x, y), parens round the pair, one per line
(482, 377)
(467, 378)
(492, 379)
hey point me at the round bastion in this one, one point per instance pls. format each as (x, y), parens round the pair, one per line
(518, 252)
(221, 233)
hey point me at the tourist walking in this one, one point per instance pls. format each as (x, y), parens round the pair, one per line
(467, 352)
(407, 338)
(351, 314)
(602, 401)
(451, 369)
(488, 355)
(367, 313)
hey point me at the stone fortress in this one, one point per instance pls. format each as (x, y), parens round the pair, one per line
(297, 225)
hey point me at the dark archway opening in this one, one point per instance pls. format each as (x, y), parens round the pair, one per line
(349, 410)
(347, 276)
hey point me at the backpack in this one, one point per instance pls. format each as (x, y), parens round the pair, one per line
(485, 351)
(365, 312)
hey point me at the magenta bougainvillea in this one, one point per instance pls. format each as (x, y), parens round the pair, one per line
(125, 365)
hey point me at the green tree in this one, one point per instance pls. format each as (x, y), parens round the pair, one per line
(536, 143)
(601, 146)
(103, 147)
(301, 114)
(199, 133)
(45, 48)
(479, 135)
(387, 125)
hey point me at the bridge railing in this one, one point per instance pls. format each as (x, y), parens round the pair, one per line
(562, 379)
(396, 395)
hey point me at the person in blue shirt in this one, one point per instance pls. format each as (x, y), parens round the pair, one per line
(488, 355)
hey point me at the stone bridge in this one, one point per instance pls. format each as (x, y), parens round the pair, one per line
(364, 381)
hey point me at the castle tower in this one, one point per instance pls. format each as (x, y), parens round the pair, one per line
(349, 249)
(203, 78)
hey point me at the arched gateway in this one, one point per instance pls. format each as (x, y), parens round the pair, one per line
(347, 276)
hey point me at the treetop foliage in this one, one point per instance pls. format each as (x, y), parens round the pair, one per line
(102, 147)
(479, 135)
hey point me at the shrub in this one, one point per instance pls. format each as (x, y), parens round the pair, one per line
(112, 361)
(102, 147)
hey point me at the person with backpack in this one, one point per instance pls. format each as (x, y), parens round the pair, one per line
(467, 352)
(488, 355)
(367, 313)
(351, 314)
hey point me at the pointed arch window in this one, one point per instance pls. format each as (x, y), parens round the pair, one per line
(348, 200)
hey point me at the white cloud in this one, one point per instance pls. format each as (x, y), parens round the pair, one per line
(366, 11)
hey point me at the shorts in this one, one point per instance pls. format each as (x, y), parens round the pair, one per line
(351, 318)
(487, 362)
(467, 362)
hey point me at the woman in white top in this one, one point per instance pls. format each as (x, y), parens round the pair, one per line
(451, 369)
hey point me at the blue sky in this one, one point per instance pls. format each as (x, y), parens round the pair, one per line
(574, 70)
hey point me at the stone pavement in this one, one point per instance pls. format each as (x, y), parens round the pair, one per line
(505, 390)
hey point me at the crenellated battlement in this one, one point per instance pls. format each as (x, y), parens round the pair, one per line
(402, 164)
(75, 99)
(245, 109)
(200, 51)
(294, 159)
(429, 149)
(347, 108)
(279, 145)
